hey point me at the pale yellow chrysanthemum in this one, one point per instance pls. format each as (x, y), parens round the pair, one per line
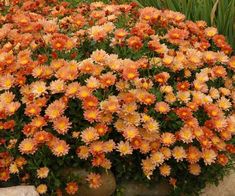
(124, 148)
(224, 103)
(152, 126)
(168, 138)
(194, 169)
(209, 156)
(92, 83)
(183, 96)
(214, 93)
(148, 166)
(41, 189)
(157, 158)
(179, 153)
(166, 89)
(130, 132)
(38, 88)
(170, 98)
(13, 168)
(42, 172)
(57, 86)
(165, 170)
(120, 125)
(90, 134)
(186, 134)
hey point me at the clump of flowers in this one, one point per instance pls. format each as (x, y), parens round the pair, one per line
(100, 85)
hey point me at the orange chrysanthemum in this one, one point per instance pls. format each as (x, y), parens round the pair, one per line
(28, 146)
(94, 180)
(60, 148)
(71, 188)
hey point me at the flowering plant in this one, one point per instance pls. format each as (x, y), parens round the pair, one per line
(113, 87)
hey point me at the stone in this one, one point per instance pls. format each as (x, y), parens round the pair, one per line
(139, 189)
(225, 188)
(19, 191)
(106, 189)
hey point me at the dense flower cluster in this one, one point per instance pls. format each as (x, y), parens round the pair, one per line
(99, 79)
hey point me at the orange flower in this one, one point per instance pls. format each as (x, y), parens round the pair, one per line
(94, 180)
(124, 148)
(184, 113)
(92, 115)
(92, 83)
(213, 110)
(41, 137)
(157, 158)
(72, 90)
(130, 73)
(83, 152)
(194, 169)
(183, 86)
(231, 62)
(20, 162)
(166, 152)
(134, 42)
(72, 188)
(111, 105)
(38, 122)
(78, 20)
(28, 146)
(41, 189)
(58, 41)
(61, 125)
(173, 182)
(148, 166)
(176, 36)
(162, 107)
(99, 56)
(222, 159)
(193, 154)
(55, 109)
(219, 71)
(219, 40)
(165, 170)
(120, 34)
(102, 129)
(130, 132)
(6, 81)
(97, 33)
(148, 98)
(211, 32)
(107, 79)
(32, 110)
(42, 172)
(60, 148)
(83, 92)
(179, 153)
(168, 138)
(4, 174)
(87, 66)
(186, 134)
(162, 77)
(57, 86)
(209, 156)
(89, 134)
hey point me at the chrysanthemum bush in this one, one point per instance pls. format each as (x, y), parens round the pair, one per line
(142, 92)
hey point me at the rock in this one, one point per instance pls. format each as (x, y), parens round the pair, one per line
(138, 189)
(225, 187)
(106, 189)
(19, 191)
